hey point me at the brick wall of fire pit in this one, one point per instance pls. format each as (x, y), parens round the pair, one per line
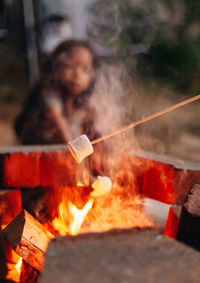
(158, 177)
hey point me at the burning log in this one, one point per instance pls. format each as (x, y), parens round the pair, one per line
(134, 255)
(28, 238)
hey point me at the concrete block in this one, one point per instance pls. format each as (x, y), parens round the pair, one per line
(120, 256)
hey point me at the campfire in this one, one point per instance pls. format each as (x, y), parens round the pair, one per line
(73, 210)
(47, 208)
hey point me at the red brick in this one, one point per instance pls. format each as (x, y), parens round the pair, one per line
(160, 177)
(147, 177)
(21, 170)
(10, 205)
(171, 225)
(57, 169)
(158, 181)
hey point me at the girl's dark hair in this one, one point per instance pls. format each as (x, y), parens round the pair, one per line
(66, 46)
(47, 80)
(55, 62)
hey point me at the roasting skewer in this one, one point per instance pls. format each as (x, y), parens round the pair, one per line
(81, 147)
(148, 118)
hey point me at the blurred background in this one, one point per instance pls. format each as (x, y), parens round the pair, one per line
(156, 41)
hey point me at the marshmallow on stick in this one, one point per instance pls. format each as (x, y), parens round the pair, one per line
(101, 186)
(80, 148)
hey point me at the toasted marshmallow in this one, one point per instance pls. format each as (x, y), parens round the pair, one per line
(101, 186)
(80, 148)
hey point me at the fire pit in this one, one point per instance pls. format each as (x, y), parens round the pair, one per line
(44, 181)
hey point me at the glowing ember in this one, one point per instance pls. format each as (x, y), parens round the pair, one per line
(101, 186)
(79, 184)
(78, 216)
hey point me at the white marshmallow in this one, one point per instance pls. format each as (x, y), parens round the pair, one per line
(80, 148)
(101, 186)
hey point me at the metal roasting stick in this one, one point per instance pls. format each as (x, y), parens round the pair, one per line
(148, 118)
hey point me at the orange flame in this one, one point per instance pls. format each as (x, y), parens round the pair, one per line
(19, 265)
(59, 222)
(14, 270)
(78, 216)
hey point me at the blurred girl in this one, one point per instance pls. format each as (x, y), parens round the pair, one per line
(57, 109)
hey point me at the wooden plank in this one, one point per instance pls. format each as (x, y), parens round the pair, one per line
(28, 238)
(134, 255)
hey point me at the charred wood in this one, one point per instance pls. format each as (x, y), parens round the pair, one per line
(28, 238)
